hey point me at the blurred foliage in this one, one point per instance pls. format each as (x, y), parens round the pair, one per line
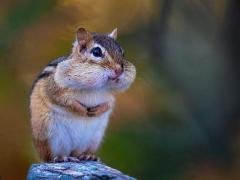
(180, 119)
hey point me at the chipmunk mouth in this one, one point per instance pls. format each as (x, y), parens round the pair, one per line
(116, 78)
(116, 74)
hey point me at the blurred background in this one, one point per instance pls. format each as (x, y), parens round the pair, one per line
(179, 120)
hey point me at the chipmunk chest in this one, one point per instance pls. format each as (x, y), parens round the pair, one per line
(69, 132)
(92, 98)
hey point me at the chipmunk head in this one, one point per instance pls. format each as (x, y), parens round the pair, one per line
(97, 61)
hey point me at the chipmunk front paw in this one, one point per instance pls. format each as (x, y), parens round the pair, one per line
(78, 107)
(98, 110)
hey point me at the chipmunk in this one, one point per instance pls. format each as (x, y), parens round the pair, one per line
(72, 98)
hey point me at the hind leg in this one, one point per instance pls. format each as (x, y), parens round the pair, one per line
(43, 149)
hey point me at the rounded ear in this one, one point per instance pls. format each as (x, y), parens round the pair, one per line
(113, 34)
(83, 37)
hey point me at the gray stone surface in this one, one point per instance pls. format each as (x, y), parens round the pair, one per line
(86, 170)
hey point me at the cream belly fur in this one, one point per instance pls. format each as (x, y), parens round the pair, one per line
(69, 132)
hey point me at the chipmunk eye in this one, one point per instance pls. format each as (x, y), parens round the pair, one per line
(97, 52)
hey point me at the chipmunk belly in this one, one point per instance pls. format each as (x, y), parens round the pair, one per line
(69, 132)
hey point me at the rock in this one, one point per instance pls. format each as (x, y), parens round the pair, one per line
(86, 170)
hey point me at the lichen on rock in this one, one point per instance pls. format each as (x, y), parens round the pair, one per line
(86, 170)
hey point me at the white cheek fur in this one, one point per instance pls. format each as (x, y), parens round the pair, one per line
(124, 81)
(80, 76)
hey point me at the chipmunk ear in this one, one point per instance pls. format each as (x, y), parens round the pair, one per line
(113, 34)
(83, 37)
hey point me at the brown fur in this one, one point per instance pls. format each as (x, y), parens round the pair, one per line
(39, 110)
(60, 96)
(43, 149)
(41, 98)
(40, 120)
(98, 110)
(47, 92)
(110, 45)
(86, 39)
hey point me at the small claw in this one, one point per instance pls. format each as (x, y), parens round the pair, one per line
(100, 106)
(57, 160)
(73, 159)
(98, 110)
(94, 158)
(93, 109)
(97, 159)
(81, 157)
(91, 114)
(88, 157)
(60, 159)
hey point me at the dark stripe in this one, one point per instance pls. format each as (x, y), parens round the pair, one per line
(58, 60)
(113, 48)
(44, 74)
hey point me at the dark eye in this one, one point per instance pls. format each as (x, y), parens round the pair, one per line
(97, 52)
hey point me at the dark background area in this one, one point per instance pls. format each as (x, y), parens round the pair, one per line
(179, 120)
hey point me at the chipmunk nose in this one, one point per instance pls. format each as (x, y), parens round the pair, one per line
(118, 70)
